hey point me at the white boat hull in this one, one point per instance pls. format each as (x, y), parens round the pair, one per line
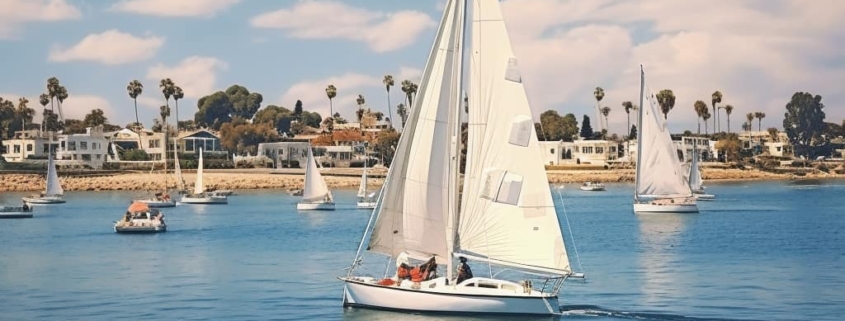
(315, 206)
(366, 204)
(140, 229)
(14, 212)
(704, 197)
(205, 200)
(46, 200)
(446, 299)
(158, 203)
(592, 188)
(665, 208)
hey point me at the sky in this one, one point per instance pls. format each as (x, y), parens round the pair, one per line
(756, 52)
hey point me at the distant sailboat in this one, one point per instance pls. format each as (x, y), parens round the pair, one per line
(696, 183)
(503, 216)
(53, 193)
(315, 194)
(160, 199)
(365, 199)
(660, 183)
(199, 196)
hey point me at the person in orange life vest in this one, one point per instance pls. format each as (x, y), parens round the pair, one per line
(403, 272)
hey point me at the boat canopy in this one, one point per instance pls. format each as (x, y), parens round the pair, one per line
(138, 207)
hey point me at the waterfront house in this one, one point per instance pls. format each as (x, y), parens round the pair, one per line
(29, 144)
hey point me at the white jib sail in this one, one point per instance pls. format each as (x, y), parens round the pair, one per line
(54, 187)
(508, 215)
(315, 187)
(177, 170)
(695, 181)
(198, 186)
(414, 204)
(659, 171)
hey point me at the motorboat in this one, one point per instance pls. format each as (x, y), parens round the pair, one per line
(140, 218)
(592, 187)
(24, 211)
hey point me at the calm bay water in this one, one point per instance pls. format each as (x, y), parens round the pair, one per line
(762, 251)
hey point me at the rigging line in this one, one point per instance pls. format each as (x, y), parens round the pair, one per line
(569, 227)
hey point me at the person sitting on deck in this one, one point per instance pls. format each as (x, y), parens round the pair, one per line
(403, 272)
(25, 207)
(464, 272)
(425, 271)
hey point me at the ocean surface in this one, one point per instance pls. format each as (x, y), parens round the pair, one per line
(761, 251)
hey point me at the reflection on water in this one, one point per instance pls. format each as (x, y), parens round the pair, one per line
(658, 235)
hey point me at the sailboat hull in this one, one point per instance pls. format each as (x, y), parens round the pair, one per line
(643, 208)
(446, 299)
(205, 200)
(315, 206)
(152, 203)
(367, 204)
(46, 200)
(704, 197)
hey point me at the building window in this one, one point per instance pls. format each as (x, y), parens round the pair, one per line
(63, 144)
(86, 157)
(154, 143)
(17, 149)
(552, 151)
(28, 147)
(586, 149)
(71, 145)
(84, 146)
(189, 145)
(599, 150)
(98, 156)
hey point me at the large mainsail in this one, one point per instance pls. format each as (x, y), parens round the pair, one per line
(659, 171)
(315, 188)
(508, 215)
(420, 169)
(198, 186)
(54, 187)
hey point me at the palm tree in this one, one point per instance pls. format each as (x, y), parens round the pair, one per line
(728, 110)
(605, 111)
(388, 82)
(331, 92)
(410, 89)
(177, 95)
(715, 98)
(403, 113)
(628, 106)
(22, 102)
(759, 116)
(135, 88)
(52, 90)
(599, 95)
(773, 133)
(61, 95)
(360, 100)
(44, 99)
(700, 110)
(706, 116)
(666, 100)
(750, 118)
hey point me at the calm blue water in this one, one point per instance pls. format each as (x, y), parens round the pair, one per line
(762, 251)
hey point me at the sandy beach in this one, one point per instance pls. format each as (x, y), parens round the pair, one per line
(335, 178)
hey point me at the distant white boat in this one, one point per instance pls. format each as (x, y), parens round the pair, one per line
(365, 200)
(696, 183)
(53, 193)
(660, 183)
(315, 195)
(200, 196)
(24, 211)
(592, 187)
(139, 218)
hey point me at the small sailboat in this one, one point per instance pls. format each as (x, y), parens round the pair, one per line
(53, 193)
(503, 216)
(660, 183)
(315, 195)
(696, 183)
(139, 218)
(199, 196)
(24, 211)
(162, 199)
(592, 187)
(365, 200)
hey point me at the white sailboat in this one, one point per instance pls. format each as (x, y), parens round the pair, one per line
(315, 194)
(199, 196)
(365, 199)
(505, 216)
(660, 183)
(53, 193)
(162, 199)
(696, 183)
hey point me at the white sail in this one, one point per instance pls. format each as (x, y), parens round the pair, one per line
(508, 215)
(315, 187)
(362, 188)
(54, 187)
(659, 171)
(177, 170)
(198, 186)
(695, 181)
(414, 203)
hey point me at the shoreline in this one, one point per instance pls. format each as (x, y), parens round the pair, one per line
(291, 179)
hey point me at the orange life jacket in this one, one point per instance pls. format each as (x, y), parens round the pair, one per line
(416, 274)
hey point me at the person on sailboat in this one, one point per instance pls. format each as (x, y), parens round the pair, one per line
(464, 272)
(425, 271)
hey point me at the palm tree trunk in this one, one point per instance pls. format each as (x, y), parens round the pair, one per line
(759, 120)
(729, 123)
(331, 114)
(137, 124)
(389, 112)
(698, 120)
(176, 101)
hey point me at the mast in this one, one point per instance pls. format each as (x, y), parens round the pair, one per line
(639, 134)
(455, 102)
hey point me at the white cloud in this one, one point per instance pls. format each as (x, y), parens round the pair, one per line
(13, 13)
(111, 47)
(757, 53)
(349, 86)
(196, 75)
(312, 19)
(174, 8)
(74, 107)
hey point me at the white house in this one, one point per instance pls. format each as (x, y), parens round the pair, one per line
(592, 152)
(705, 147)
(29, 144)
(151, 142)
(89, 149)
(285, 151)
